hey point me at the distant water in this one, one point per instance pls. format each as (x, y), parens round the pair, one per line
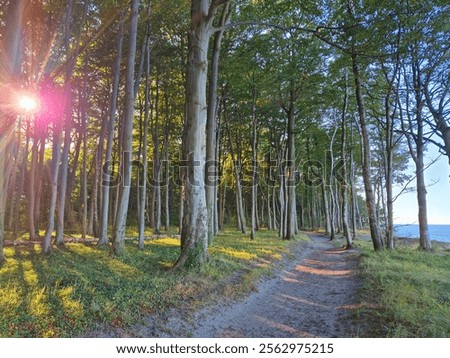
(437, 232)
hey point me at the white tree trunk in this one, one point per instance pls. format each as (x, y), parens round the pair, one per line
(122, 212)
(194, 233)
(110, 137)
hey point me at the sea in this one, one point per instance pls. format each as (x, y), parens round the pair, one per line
(437, 232)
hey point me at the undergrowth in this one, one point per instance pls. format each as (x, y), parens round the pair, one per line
(409, 289)
(79, 286)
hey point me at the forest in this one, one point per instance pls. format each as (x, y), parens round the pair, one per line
(126, 122)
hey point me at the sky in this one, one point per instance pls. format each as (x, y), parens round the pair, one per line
(438, 198)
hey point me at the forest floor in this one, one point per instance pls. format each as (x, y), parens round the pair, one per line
(313, 292)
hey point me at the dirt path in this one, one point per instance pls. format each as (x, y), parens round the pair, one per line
(311, 295)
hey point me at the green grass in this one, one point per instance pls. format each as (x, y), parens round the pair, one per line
(78, 287)
(410, 290)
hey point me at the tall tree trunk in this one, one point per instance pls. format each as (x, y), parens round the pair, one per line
(143, 186)
(242, 225)
(61, 204)
(424, 237)
(39, 182)
(156, 198)
(13, 180)
(84, 180)
(10, 65)
(281, 201)
(106, 184)
(353, 198)
(56, 154)
(332, 192)
(166, 179)
(326, 207)
(32, 191)
(367, 167)
(194, 233)
(269, 212)
(290, 171)
(71, 180)
(121, 221)
(343, 176)
(23, 172)
(254, 166)
(211, 127)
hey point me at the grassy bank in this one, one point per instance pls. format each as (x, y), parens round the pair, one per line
(80, 286)
(410, 290)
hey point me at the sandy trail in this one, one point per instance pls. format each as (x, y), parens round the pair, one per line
(312, 294)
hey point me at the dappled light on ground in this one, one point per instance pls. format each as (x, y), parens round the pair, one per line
(285, 328)
(165, 241)
(243, 255)
(313, 296)
(81, 285)
(323, 272)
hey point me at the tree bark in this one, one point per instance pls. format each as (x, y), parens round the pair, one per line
(254, 167)
(367, 167)
(332, 192)
(211, 169)
(194, 233)
(32, 191)
(120, 225)
(143, 185)
(106, 180)
(290, 171)
(242, 225)
(343, 176)
(10, 65)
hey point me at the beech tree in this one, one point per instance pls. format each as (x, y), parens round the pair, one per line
(194, 231)
(127, 134)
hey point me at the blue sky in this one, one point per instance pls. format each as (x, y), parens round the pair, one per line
(438, 198)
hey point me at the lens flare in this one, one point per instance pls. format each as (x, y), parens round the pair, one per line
(28, 103)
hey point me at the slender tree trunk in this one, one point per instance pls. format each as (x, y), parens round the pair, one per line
(425, 242)
(239, 200)
(332, 192)
(281, 201)
(39, 182)
(367, 167)
(353, 198)
(10, 65)
(269, 212)
(290, 171)
(13, 181)
(156, 200)
(143, 186)
(167, 181)
(84, 181)
(64, 168)
(23, 171)
(106, 184)
(71, 180)
(32, 191)
(211, 127)
(182, 198)
(3, 139)
(57, 132)
(344, 186)
(254, 167)
(326, 207)
(120, 225)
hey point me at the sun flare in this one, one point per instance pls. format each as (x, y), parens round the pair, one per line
(28, 103)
